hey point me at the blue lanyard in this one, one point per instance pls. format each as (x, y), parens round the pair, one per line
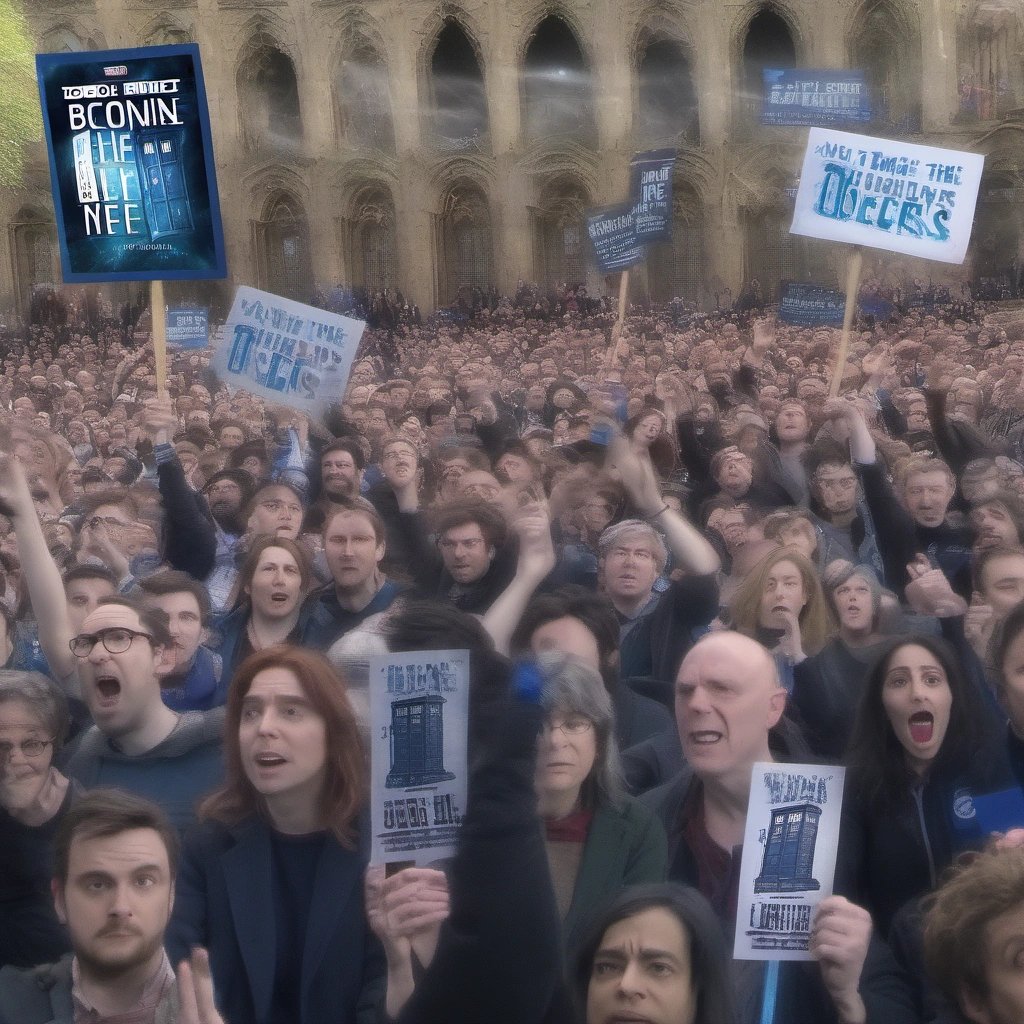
(771, 992)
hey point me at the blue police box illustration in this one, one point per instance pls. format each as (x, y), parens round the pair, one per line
(417, 742)
(165, 187)
(789, 850)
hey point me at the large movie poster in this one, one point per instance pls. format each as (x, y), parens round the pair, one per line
(131, 164)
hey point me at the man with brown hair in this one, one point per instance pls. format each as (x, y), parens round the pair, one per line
(115, 862)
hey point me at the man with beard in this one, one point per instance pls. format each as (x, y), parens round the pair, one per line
(228, 493)
(115, 861)
(341, 472)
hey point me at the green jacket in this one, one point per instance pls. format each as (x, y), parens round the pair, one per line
(42, 995)
(625, 846)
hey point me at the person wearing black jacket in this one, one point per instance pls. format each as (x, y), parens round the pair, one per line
(728, 699)
(470, 565)
(918, 524)
(922, 748)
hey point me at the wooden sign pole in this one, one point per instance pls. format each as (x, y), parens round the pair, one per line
(613, 352)
(159, 329)
(852, 284)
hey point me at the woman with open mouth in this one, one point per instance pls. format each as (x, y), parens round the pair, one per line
(925, 743)
(271, 882)
(274, 579)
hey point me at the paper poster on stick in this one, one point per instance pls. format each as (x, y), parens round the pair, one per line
(789, 858)
(612, 232)
(285, 351)
(419, 712)
(886, 194)
(131, 164)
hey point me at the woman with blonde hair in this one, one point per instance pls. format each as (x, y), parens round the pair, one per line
(781, 605)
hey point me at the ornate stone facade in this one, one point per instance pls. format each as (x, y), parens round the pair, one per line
(425, 146)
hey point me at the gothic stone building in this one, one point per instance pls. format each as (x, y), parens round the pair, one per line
(427, 146)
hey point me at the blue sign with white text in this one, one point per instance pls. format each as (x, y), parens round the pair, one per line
(808, 96)
(131, 164)
(651, 178)
(612, 232)
(810, 305)
(188, 328)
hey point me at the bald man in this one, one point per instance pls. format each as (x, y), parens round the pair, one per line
(728, 698)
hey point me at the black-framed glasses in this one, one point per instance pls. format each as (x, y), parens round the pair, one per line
(116, 640)
(29, 748)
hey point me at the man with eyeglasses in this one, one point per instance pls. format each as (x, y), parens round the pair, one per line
(838, 509)
(138, 743)
(276, 510)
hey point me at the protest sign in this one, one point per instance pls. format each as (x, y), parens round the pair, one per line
(419, 710)
(814, 96)
(612, 232)
(188, 327)
(789, 857)
(810, 305)
(917, 200)
(651, 189)
(285, 351)
(131, 164)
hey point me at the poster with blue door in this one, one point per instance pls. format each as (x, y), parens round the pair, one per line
(131, 164)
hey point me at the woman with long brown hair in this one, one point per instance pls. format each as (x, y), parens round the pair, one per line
(272, 582)
(782, 606)
(271, 882)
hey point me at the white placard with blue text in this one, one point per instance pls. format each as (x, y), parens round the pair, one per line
(886, 194)
(789, 857)
(419, 714)
(287, 352)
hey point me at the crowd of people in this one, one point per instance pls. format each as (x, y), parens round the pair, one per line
(670, 557)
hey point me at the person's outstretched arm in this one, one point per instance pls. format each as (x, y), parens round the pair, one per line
(690, 549)
(45, 587)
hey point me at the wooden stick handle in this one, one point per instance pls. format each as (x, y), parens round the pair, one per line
(613, 351)
(852, 284)
(159, 321)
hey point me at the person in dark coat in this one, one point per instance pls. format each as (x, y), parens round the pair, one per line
(828, 685)
(728, 700)
(35, 796)
(271, 881)
(922, 748)
(597, 838)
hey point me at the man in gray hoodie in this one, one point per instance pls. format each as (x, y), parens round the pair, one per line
(138, 743)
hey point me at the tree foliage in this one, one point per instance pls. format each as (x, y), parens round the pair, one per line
(20, 120)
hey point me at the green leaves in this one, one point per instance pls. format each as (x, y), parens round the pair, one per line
(20, 119)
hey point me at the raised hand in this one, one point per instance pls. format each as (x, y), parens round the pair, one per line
(532, 524)
(791, 644)
(636, 473)
(929, 591)
(15, 496)
(195, 990)
(159, 420)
